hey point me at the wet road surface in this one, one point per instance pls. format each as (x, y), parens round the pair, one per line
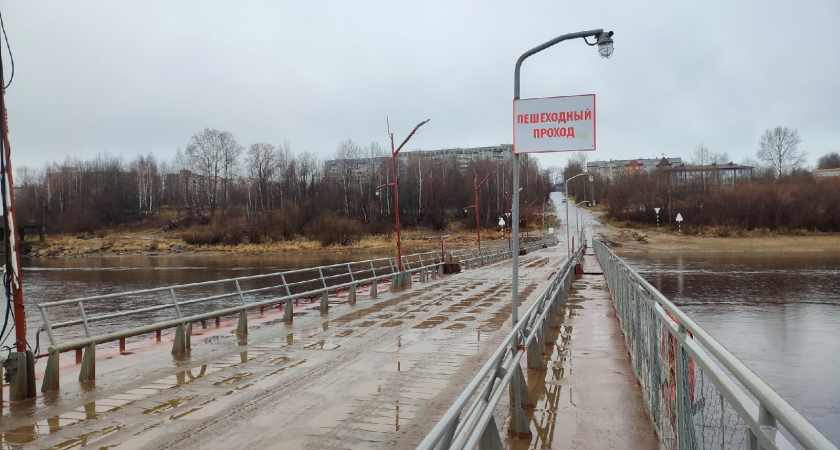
(589, 397)
(374, 375)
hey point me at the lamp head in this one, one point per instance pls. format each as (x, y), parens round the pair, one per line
(605, 44)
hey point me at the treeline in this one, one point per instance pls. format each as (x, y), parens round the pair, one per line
(793, 202)
(217, 191)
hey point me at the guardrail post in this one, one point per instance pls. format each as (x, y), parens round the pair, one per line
(242, 327)
(545, 331)
(765, 420)
(288, 313)
(519, 423)
(325, 302)
(490, 439)
(188, 337)
(351, 297)
(373, 286)
(50, 382)
(88, 370)
(178, 344)
(535, 356)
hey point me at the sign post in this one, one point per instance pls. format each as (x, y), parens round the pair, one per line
(679, 223)
(545, 141)
(657, 216)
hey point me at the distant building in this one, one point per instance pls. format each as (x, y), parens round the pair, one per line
(618, 167)
(823, 174)
(722, 174)
(463, 156)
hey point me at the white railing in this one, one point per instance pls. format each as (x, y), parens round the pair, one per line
(693, 401)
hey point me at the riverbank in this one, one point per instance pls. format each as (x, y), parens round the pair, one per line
(157, 243)
(636, 239)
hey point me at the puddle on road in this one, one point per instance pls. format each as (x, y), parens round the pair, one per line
(233, 379)
(549, 421)
(322, 345)
(391, 323)
(431, 322)
(88, 438)
(456, 326)
(278, 361)
(171, 404)
(303, 361)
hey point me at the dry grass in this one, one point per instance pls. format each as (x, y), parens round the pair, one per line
(154, 241)
(714, 239)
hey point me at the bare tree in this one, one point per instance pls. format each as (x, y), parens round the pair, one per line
(778, 148)
(212, 155)
(346, 155)
(719, 158)
(829, 161)
(261, 162)
(701, 155)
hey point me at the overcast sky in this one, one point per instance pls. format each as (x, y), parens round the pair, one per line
(129, 78)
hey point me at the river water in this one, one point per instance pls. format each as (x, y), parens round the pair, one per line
(777, 312)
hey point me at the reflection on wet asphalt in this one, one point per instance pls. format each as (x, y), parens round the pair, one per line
(359, 377)
(587, 397)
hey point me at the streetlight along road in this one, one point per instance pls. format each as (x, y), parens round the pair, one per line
(477, 186)
(394, 184)
(568, 239)
(538, 135)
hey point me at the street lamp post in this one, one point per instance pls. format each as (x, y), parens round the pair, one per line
(605, 49)
(577, 215)
(394, 185)
(568, 238)
(477, 224)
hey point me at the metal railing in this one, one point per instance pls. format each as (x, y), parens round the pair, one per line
(458, 429)
(189, 302)
(693, 402)
(92, 320)
(471, 257)
(421, 260)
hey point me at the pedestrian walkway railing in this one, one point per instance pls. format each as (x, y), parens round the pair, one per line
(86, 322)
(469, 421)
(471, 257)
(421, 260)
(89, 321)
(688, 378)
